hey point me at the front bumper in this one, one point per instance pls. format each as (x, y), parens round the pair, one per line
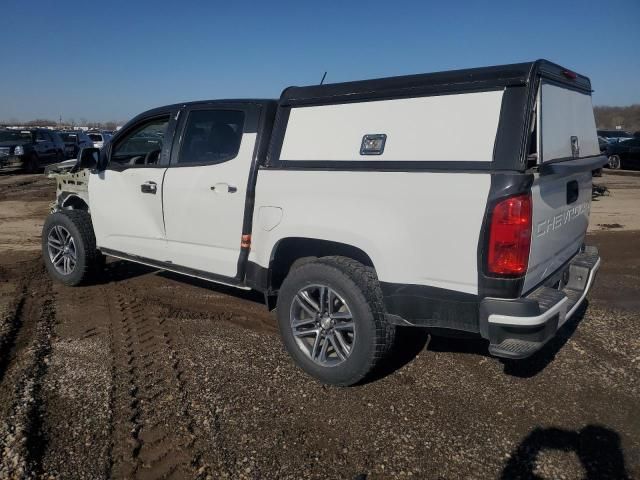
(11, 161)
(518, 328)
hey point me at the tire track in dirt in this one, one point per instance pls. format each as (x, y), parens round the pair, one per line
(152, 427)
(22, 438)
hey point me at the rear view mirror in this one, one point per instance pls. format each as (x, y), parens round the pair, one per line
(87, 158)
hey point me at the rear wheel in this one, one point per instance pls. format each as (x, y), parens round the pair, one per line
(614, 162)
(69, 247)
(331, 319)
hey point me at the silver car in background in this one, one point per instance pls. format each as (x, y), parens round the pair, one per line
(99, 138)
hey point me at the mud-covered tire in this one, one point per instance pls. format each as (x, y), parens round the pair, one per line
(358, 285)
(89, 260)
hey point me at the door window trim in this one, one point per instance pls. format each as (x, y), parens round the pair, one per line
(167, 144)
(249, 126)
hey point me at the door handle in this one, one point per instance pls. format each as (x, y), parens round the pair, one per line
(149, 187)
(221, 187)
(573, 191)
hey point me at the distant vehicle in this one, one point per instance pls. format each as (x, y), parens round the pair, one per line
(74, 141)
(99, 138)
(625, 155)
(30, 149)
(613, 136)
(603, 143)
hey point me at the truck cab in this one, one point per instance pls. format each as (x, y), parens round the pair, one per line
(452, 201)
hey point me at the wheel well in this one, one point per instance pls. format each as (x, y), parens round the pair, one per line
(293, 252)
(73, 202)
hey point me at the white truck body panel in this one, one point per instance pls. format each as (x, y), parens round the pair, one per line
(438, 246)
(437, 128)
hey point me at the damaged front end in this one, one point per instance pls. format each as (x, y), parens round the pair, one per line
(72, 192)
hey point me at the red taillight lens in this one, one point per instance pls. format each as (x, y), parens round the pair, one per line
(510, 237)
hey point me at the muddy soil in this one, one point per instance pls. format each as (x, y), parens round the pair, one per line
(149, 375)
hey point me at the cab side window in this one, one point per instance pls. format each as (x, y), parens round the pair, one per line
(142, 145)
(211, 136)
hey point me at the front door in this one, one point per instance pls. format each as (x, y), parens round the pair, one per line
(205, 187)
(126, 198)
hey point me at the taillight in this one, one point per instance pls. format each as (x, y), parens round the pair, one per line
(510, 237)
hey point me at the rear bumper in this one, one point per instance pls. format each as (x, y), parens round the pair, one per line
(518, 328)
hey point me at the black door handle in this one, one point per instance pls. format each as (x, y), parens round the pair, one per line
(149, 187)
(230, 188)
(573, 191)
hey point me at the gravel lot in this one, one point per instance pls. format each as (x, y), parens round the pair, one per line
(149, 375)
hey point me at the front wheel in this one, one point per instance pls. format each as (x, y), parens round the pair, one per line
(331, 318)
(614, 162)
(69, 247)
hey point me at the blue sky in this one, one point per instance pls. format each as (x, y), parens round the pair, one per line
(111, 60)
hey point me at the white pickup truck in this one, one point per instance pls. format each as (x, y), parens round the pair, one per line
(451, 201)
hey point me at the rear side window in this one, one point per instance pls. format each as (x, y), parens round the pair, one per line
(211, 136)
(566, 124)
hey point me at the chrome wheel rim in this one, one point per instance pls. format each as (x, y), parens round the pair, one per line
(614, 162)
(322, 325)
(62, 250)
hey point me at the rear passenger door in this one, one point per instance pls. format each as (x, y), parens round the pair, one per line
(205, 187)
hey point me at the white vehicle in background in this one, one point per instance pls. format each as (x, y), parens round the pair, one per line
(453, 201)
(99, 138)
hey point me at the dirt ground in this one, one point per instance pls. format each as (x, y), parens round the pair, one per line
(149, 375)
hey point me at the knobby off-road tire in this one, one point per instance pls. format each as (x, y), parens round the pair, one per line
(354, 285)
(71, 229)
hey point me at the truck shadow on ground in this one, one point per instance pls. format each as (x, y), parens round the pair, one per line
(525, 368)
(597, 448)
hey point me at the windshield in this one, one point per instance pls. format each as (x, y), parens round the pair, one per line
(15, 136)
(96, 137)
(69, 137)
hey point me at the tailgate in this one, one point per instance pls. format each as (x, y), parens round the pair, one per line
(561, 193)
(561, 205)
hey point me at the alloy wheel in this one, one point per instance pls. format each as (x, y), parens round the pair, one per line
(322, 325)
(62, 250)
(614, 162)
